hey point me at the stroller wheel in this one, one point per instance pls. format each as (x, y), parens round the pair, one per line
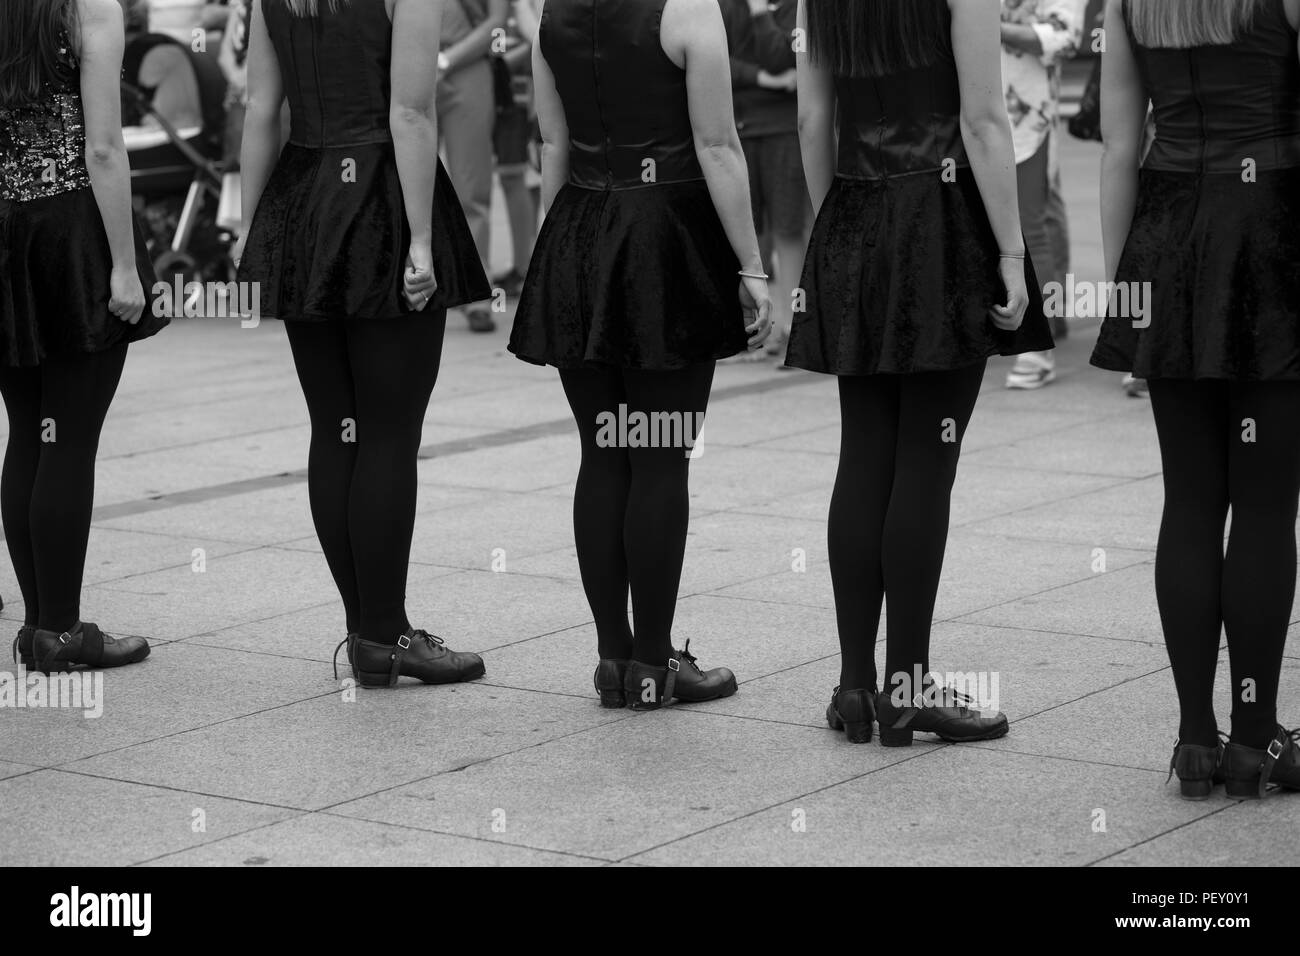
(170, 264)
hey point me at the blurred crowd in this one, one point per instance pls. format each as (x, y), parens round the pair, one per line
(185, 77)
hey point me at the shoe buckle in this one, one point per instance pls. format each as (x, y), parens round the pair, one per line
(674, 664)
(403, 642)
(63, 638)
(1278, 745)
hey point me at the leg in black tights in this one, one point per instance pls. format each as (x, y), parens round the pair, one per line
(600, 508)
(1193, 426)
(856, 526)
(934, 409)
(320, 355)
(888, 527)
(632, 506)
(379, 375)
(1259, 571)
(658, 506)
(56, 413)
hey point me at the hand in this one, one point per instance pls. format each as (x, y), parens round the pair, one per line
(126, 295)
(418, 281)
(759, 7)
(1010, 316)
(756, 302)
(787, 81)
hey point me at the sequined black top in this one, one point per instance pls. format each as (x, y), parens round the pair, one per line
(43, 145)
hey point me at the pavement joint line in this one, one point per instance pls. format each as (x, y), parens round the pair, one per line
(986, 745)
(465, 836)
(1041, 630)
(170, 789)
(443, 449)
(803, 796)
(479, 762)
(1046, 590)
(197, 443)
(220, 839)
(1157, 836)
(187, 730)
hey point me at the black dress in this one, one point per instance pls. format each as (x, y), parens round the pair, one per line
(902, 268)
(330, 235)
(1216, 233)
(632, 268)
(55, 260)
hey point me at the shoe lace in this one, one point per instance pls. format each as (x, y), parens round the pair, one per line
(689, 658)
(433, 640)
(336, 655)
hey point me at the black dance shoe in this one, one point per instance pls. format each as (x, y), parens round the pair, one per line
(951, 717)
(22, 648)
(85, 646)
(1199, 768)
(852, 711)
(609, 682)
(1248, 772)
(649, 688)
(417, 654)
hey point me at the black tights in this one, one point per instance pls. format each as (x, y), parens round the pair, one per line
(367, 385)
(47, 492)
(631, 506)
(899, 447)
(1209, 466)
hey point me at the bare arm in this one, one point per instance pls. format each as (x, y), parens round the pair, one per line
(1124, 105)
(102, 42)
(817, 141)
(413, 120)
(694, 37)
(478, 41)
(261, 145)
(986, 133)
(554, 128)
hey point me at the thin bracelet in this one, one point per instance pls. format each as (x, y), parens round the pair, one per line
(1007, 255)
(755, 275)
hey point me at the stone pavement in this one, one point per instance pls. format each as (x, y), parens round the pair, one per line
(234, 745)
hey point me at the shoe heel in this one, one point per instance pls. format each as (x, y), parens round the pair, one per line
(614, 699)
(1242, 789)
(889, 737)
(371, 680)
(1195, 789)
(859, 732)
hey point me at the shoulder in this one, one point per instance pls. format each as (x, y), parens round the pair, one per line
(688, 17)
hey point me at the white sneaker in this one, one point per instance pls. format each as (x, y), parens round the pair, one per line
(1032, 370)
(1135, 387)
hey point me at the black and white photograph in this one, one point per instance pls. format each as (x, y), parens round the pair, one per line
(651, 433)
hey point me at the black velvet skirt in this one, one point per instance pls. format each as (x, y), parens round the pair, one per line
(900, 277)
(631, 278)
(1222, 259)
(55, 265)
(330, 237)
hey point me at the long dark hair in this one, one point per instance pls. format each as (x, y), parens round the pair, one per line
(32, 32)
(877, 37)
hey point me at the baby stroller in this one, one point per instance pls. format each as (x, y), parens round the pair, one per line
(176, 174)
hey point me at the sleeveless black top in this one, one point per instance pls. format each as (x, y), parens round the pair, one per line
(901, 123)
(43, 144)
(346, 104)
(1217, 106)
(624, 100)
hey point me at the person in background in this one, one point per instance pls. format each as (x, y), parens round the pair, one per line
(512, 139)
(467, 112)
(759, 34)
(1036, 36)
(73, 275)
